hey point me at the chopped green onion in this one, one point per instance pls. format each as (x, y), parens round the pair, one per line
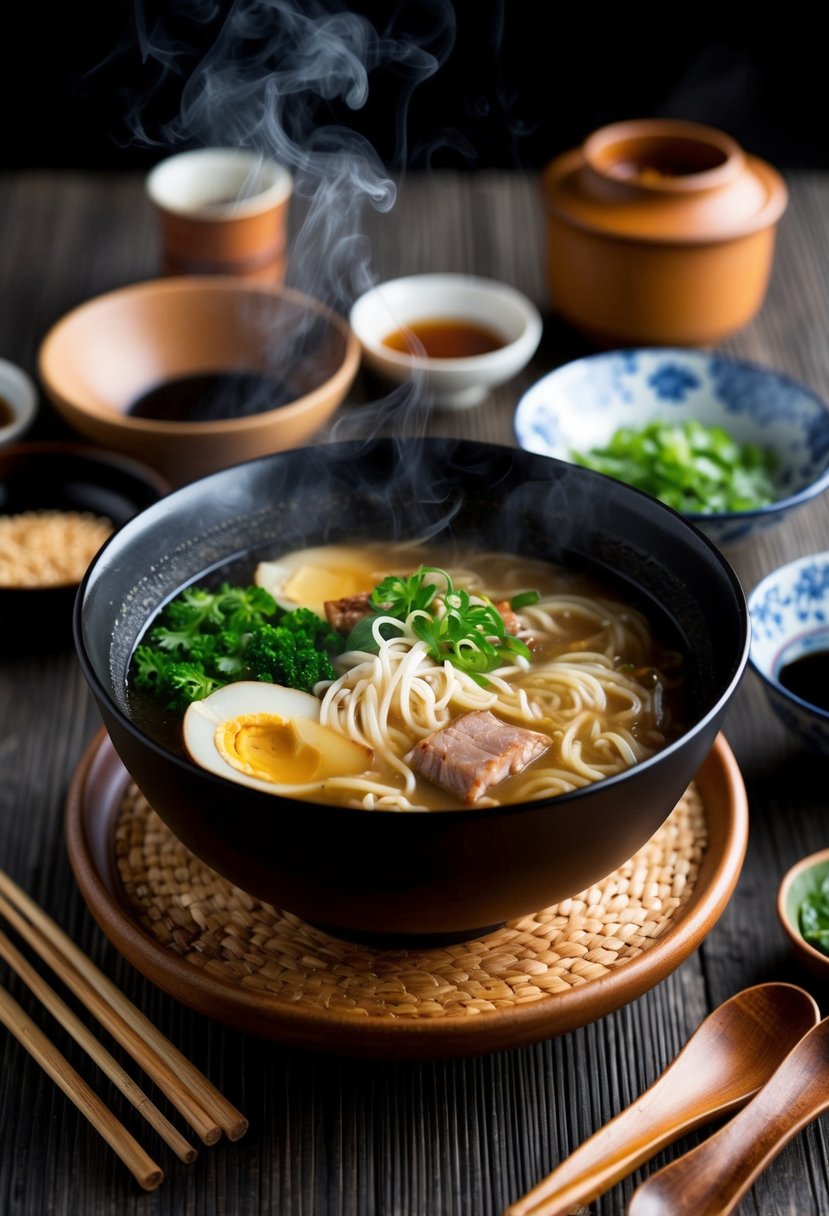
(687, 465)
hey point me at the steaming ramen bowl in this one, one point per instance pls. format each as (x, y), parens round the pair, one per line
(192, 374)
(455, 871)
(659, 232)
(457, 335)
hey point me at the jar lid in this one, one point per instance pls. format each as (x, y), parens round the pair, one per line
(664, 180)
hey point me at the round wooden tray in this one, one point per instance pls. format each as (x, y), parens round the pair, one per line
(266, 972)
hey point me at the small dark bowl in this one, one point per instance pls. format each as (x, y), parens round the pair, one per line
(415, 877)
(38, 476)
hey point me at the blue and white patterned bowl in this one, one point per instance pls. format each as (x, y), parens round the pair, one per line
(579, 406)
(789, 613)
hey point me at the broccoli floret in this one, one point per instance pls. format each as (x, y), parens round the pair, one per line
(171, 680)
(205, 639)
(280, 654)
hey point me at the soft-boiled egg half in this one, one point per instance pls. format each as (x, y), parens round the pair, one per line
(309, 577)
(268, 737)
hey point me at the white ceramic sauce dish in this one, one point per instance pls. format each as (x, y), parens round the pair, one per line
(456, 382)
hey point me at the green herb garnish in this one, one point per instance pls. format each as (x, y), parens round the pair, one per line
(205, 639)
(469, 632)
(687, 465)
(813, 917)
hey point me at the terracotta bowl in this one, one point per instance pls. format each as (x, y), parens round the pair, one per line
(431, 875)
(659, 232)
(102, 357)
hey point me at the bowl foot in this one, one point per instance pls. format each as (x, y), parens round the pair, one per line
(406, 941)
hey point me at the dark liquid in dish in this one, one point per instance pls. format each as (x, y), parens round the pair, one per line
(212, 396)
(6, 413)
(808, 678)
(445, 339)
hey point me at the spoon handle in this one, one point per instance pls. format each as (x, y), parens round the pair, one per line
(732, 1053)
(712, 1178)
(612, 1153)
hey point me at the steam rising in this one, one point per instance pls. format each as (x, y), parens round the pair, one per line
(267, 76)
(273, 70)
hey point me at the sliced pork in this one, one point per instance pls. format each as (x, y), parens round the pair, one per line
(475, 752)
(344, 614)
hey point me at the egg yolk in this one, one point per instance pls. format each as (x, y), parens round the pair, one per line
(290, 752)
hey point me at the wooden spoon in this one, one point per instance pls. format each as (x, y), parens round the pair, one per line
(732, 1053)
(712, 1178)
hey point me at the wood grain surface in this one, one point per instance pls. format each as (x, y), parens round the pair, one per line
(331, 1136)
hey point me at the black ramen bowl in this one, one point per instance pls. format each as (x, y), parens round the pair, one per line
(421, 876)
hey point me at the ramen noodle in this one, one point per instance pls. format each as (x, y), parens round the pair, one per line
(592, 686)
(592, 692)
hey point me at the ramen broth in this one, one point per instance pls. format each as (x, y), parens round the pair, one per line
(574, 616)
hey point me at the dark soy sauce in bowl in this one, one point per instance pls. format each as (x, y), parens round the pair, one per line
(212, 397)
(807, 677)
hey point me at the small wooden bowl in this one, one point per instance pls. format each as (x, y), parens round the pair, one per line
(107, 353)
(804, 876)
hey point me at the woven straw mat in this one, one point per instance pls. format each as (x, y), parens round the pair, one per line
(187, 908)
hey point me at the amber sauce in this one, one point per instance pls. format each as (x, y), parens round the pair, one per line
(444, 338)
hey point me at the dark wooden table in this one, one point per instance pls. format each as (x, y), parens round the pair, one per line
(332, 1136)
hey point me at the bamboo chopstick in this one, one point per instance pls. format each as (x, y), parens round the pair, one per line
(205, 1127)
(84, 1037)
(140, 1165)
(206, 1109)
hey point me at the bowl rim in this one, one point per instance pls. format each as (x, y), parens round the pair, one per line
(767, 676)
(102, 691)
(487, 287)
(19, 391)
(809, 862)
(700, 518)
(113, 419)
(561, 177)
(277, 191)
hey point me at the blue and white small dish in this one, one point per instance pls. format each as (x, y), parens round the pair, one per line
(789, 613)
(582, 403)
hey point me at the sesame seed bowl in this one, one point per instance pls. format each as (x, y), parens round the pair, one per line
(59, 503)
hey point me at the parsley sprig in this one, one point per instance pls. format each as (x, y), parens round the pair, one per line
(469, 632)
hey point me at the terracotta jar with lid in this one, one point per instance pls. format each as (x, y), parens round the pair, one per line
(659, 232)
